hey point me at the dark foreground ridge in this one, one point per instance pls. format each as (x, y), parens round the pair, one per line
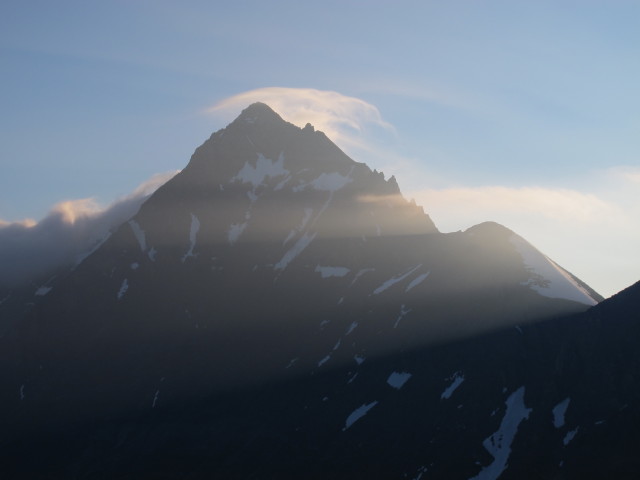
(278, 310)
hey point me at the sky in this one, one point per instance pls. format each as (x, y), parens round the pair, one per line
(524, 113)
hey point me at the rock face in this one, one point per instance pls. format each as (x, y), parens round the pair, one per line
(279, 309)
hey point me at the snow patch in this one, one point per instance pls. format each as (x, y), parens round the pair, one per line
(134, 266)
(324, 360)
(358, 413)
(265, 168)
(292, 234)
(456, 382)
(193, 231)
(421, 471)
(558, 413)
(302, 243)
(152, 254)
(291, 362)
(403, 312)
(351, 328)
(123, 288)
(234, 232)
(392, 281)
(360, 273)
(139, 234)
(359, 359)
(305, 219)
(417, 281)
(548, 278)
(43, 291)
(331, 182)
(155, 399)
(569, 436)
(327, 272)
(398, 379)
(499, 443)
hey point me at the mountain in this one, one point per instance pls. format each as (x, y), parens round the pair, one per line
(278, 306)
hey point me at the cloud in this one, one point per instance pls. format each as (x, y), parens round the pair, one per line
(436, 94)
(345, 120)
(551, 203)
(30, 250)
(356, 126)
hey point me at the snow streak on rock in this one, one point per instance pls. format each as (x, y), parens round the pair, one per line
(324, 360)
(123, 288)
(139, 234)
(352, 327)
(43, 291)
(193, 231)
(457, 380)
(398, 379)
(234, 232)
(302, 243)
(558, 413)
(358, 413)
(417, 281)
(327, 272)
(403, 312)
(308, 212)
(569, 436)
(392, 281)
(499, 444)
(360, 273)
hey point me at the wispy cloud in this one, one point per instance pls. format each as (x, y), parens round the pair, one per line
(353, 124)
(433, 93)
(346, 120)
(552, 203)
(29, 249)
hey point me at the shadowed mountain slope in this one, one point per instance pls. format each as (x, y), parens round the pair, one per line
(264, 301)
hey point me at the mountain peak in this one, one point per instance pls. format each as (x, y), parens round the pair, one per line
(258, 111)
(490, 229)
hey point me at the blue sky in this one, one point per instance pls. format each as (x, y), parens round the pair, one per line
(526, 113)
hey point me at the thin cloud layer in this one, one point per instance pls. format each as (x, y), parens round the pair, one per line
(31, 250)
(342, 118)
(353, 124)
(556, 204)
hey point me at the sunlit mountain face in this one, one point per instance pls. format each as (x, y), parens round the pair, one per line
(278, 309)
